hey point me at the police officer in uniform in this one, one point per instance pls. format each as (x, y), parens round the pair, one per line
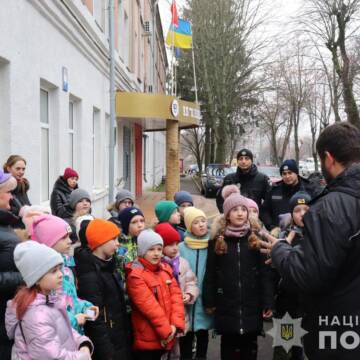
(277, 201)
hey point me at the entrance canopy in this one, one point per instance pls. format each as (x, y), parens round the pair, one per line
(153, 110)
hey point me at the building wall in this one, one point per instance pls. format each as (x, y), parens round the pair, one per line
(46, 38)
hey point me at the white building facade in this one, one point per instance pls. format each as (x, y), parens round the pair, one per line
(54, 94)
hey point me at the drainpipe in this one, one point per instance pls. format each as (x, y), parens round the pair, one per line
(112, 99)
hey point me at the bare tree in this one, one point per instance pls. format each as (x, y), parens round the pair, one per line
(333, 22)
(193, 141)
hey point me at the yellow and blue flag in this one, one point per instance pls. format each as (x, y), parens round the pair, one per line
(180, 36)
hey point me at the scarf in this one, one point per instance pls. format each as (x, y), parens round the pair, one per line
(237, 231)
(196, 243)
(148, 265)
(175, 265)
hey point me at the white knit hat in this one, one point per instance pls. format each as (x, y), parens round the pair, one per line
(34, 260)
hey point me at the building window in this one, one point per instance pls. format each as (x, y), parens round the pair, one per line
(96, 151)
(45, 146)
(71, 132)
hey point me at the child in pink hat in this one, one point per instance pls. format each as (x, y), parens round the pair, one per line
(54, 232)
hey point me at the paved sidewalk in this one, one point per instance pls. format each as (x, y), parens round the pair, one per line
(147, 203)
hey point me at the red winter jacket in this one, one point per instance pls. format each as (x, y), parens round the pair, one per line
(156, 304)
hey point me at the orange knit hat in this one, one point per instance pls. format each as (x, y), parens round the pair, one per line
(100, 232)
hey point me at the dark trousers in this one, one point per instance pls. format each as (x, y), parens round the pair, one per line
(148, 355)
(5, 351)
(239, 347)
(186, 344)
(296, 353)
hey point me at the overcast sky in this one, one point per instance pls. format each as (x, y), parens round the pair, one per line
(283, 10)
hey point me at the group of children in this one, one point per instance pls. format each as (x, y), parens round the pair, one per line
(134, 293)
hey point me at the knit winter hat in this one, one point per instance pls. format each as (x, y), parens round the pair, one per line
(232, 197)
(79, 221)
(76, 196)
(164, 210)
(147, 239)
(252, 204)
(7, 182)
(299, 198)
(245, 152)
(183, 196)
(125, 216)
(168, 233)
(49, 229)
(124, 194)
(34, 260)
(190, 214)
(99, 232)
(69, 172)
(289, 165)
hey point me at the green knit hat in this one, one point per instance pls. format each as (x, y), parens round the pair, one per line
(164, 210)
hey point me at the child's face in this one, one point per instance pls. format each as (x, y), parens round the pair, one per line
(298, 214)
(136, 226)
(253, 213)
(153, 255)
(183, 206)
(171, 250)
(175, 218)
(199, 226)
(52, 280)
(83, 206)
(238, 216)
(63, 246)
(110, 248)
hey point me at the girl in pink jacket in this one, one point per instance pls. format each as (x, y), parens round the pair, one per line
(36, 318)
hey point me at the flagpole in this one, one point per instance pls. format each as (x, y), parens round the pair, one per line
(194, 70)
(172, 62)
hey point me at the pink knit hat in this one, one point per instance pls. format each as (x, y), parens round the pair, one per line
(252, 204)
(232, 197)
(49, 229)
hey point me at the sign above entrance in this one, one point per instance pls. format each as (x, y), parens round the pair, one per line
(153, 110)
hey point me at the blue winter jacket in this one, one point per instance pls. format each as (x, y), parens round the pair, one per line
(199, 320)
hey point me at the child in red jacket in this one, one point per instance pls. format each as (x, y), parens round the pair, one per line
(157, 305)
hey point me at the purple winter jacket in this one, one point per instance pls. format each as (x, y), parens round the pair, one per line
(47, 331)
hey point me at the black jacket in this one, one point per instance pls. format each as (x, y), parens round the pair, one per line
(254, 185)
(325, 266)
(10, 278)
(59, 200)
(20, 198)
(278, 199)
(239, 285)
(100, 283)
(287, 297)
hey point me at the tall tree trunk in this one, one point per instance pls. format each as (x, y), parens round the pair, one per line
(296, 138)
(221, 142)
(213, 145)
(207, 144)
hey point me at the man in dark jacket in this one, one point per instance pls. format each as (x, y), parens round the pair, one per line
(10, 278)
(277, 201)
(252, 183)
(325, 267)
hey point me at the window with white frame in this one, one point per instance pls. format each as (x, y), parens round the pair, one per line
(96, 150)
(45, 144)
(72, 135)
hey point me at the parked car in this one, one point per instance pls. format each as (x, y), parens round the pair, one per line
(212, 178)
(272, 172)
(193, 169)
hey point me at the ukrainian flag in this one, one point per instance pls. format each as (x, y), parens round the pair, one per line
(180, 36)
